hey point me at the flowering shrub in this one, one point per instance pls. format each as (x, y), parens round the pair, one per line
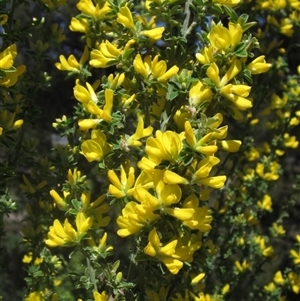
(173, 183)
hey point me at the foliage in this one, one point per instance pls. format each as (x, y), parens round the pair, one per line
(172, 177)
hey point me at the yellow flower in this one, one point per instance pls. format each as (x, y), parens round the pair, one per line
(294, 280)
(296, 256)
(199, 93)
(3, 19)
(120, 189)
(222, 38)
(80, 25)
(153, 34)
(201, 219)
(207, 56)
(125, 17)
(140, 133)
(203, 145)
(166, 146)
(96, 209)
(278, 279)
(201, 174)
(164, 253)
(96, 148)
(106, 55)
(35, 296)
(258, 65)
(8, 122)
(153, 68)
(100, 297)
(89, 100)
(265, 203)
(71, 64)
(66, 235)
(230, 3)
(235, 93)
(101, 248)
(60, 202)
(272, 171)
(99, 11)
(242, 266)
(134, 217)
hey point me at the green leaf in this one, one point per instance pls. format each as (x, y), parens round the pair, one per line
(231, 13)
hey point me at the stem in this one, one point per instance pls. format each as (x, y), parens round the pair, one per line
(185, 28)
(92, 274)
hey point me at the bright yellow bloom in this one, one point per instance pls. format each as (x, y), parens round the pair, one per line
(153, 34)
(140, 133)
(207, 56)
(66, 235)
(59, 201)
(153, 68)
(71, 64)
(107, 54)
(35, 296)
(278, 279)
(296, 256)
(230, 3)
(134, 217)
(89, 100)
(294, 280)
(265, 203)
(203, 145)
(116, 81)
(271, 174)
(258, 65)
(123, 186)
(6, 63)
(163, 253)
(165, 146)
(125, 17)
(235, 93)
(222, 38)
(201, 219)
(201, 174)
(99, 11)
(96, 148)
(266, 251)
(95, 209)
(199, 93)
(101, 247)
(80, 25)
(100, 297)
(242, 266)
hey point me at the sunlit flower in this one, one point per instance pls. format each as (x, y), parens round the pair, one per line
(96, 148)
(163, 252)
(66, 235)
(155, 69)
(100, 297)
(125, 17)
(71, 64)
(123, 186)
(134, 217)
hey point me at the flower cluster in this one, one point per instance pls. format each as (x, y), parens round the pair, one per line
(185, 117)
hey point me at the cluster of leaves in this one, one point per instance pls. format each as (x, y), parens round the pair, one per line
(183, 212)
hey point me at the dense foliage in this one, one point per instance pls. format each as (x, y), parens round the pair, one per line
(149, 149)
